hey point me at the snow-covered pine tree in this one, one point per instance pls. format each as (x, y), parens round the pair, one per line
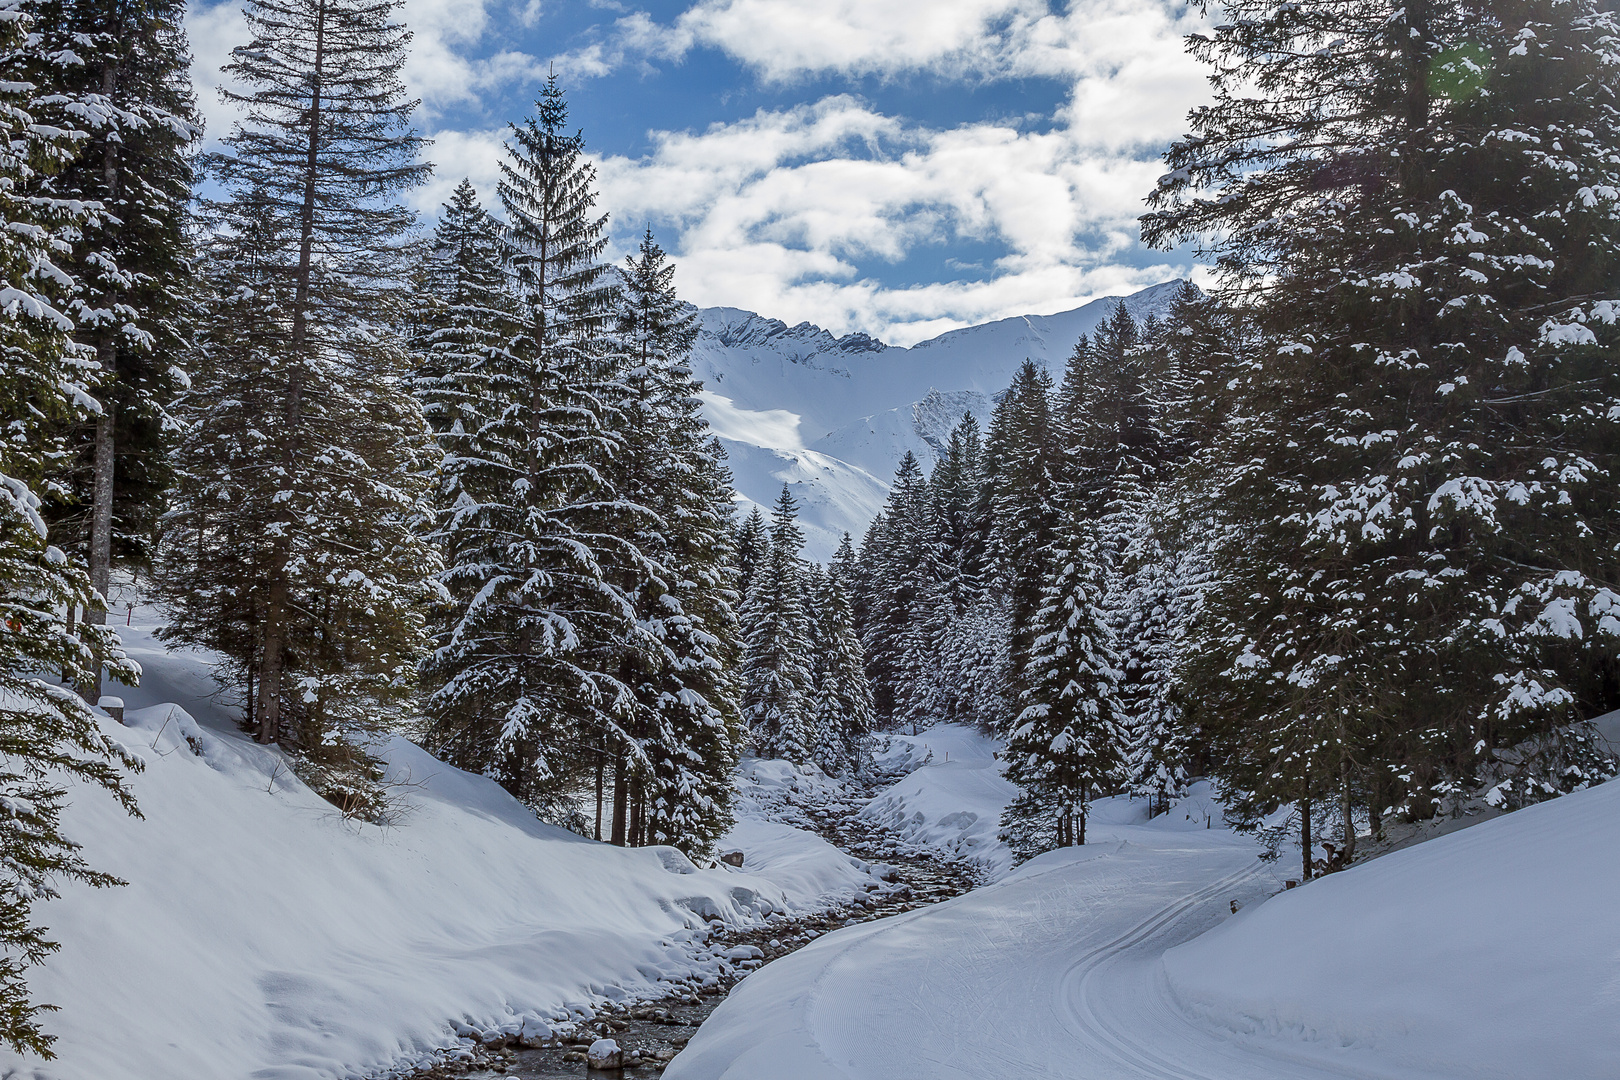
(776, 670)
(898, 566)
(526, 684)
(118, 74)
(305, 465)
(686, 711)
(466, 333)
(841, 705)
(1149, 639)
(748, 549)
(1065, 747)
(47, 735)
(1418, 206)
(1025, 494)
(955, 580)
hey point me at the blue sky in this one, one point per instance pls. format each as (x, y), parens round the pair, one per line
(903, 167)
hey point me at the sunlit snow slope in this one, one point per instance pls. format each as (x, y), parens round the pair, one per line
(831, 417)
(260, 934)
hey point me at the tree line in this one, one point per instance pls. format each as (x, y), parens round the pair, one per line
(453, 485)
(1344, 535)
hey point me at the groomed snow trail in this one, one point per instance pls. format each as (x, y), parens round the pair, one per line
(1053, 972)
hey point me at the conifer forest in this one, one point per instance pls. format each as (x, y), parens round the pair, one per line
(1333, 533)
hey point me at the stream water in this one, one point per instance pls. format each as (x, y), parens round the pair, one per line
(651, 1033)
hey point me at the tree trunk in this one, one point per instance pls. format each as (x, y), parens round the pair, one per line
(636, 838)
(601, 776)
(269, 701)
(1347, 808)
(1305, 836)
(101, 483)
(101, 497)
(621, 800)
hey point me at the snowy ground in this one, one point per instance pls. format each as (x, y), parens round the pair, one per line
(949, 801)
(263, 935)
(1490, 953)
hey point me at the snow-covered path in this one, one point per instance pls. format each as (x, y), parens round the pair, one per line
(1053, 972)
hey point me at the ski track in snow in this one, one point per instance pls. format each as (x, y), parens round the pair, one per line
(1053, 972)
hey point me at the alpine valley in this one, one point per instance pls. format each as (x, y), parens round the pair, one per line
(831, 416)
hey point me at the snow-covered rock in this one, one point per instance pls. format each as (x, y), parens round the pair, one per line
(604, 1054)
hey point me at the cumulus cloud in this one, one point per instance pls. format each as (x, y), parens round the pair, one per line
(814, 211)
(779, 212)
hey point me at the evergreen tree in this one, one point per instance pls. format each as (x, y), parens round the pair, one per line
(1066, 744)
(47, 735)
(954, 579)
(686, 712)
(464, 338)
(749, 549)
(1416, 207)
(899, 567)
(1025, 493)
(1149, 641)
(304, 466)
(841, 707)
(529, 671)
(118, 75)
(776, 674)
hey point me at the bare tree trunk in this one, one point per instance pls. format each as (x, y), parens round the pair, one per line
(1348, 810)
(1305, 836)
(601, 777)
(269, 701)
(101, 482)
(621, 799)
(636, 837)
(101, 497)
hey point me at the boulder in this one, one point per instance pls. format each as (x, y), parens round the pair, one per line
(732, 858)
(604, 1054)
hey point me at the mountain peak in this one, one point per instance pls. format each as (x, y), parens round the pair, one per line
(832, 416)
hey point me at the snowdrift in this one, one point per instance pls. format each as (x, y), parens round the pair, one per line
(951, 802)
(1489, 953)
(261, 934)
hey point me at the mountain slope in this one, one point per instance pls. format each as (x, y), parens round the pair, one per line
(832, 417)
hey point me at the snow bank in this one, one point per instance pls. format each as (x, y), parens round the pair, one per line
(1489, 953)
(808, 870)
(951, 803)
(263, 935)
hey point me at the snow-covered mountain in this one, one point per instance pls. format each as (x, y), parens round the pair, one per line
(832, 416)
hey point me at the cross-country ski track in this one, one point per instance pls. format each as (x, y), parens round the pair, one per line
(1052, 972)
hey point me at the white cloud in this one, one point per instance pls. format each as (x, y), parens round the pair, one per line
(777, 212)
(795, 212)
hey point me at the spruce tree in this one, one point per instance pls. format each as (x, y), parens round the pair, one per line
(1025, 494)
(47, 735)
(899, 567)
(749, 548)
(526, 680)
(118, 75)
(841, 706)
(1065, 747)
(305, 463)
(465, 335)
(776, 673)
(1416, 207)
(670, 469)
